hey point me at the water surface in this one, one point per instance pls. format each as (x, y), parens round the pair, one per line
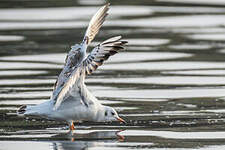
(169, 84)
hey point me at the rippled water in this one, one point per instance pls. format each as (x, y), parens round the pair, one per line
(169, 84)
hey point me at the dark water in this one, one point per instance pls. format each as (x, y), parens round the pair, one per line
(169, 84)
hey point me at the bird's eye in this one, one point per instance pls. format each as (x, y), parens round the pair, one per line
(113, 113)
(106, 113)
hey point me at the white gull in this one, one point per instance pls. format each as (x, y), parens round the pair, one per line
(71, 100)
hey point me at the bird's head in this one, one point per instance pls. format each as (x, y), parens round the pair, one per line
(109, 114)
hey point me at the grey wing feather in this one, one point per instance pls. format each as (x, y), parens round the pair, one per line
(96, 23)
(96, 58)
(70, 81)
(102, 52)
(71, 87)
(73, 59)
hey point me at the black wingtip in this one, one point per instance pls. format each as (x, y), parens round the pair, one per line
(22, 110)
(124, 42)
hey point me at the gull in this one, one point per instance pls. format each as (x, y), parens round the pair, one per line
(71, 101)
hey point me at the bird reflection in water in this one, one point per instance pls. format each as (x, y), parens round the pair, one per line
(80, 140)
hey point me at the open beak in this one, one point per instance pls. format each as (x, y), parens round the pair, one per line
(121, 120)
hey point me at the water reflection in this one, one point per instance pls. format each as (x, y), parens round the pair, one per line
(209, 2)
(166, 80)
(9, 38)
(69, 140)
(173, 22)
(176, 135)
(60, 133)
(210, 37)
(123, 57)
(171, 65)
(68, 13)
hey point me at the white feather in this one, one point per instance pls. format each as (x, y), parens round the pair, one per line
(96, 23)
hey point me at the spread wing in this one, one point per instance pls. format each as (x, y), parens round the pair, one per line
(74, 57)
(96, 58)
(102, 52)
(71, 73)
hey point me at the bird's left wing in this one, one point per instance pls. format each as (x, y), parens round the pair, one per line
(101, 53)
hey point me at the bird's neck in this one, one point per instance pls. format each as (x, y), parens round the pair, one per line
(100, 113)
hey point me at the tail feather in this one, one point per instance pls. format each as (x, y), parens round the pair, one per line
(96, 23)
(28, 110)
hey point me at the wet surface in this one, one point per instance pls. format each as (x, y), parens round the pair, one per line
(169, 85)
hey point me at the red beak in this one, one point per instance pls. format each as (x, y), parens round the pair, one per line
(121, 120)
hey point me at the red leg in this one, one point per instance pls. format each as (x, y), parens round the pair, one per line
(72, 127)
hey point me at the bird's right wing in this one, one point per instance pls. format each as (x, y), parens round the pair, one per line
(75, 56)
(96, 23)
(70, 78)
(101, 53)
